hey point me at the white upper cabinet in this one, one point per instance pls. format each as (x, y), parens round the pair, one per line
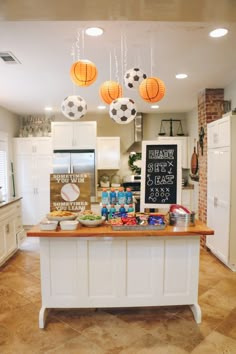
(218, 133)
(74, 135)
(108, 153)
(183, 141)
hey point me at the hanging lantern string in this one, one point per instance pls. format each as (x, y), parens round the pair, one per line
(125, 52)
(110, 65)
(122, 54)
(116, 66)
(78, 44)
(151, 54)
(83, 43)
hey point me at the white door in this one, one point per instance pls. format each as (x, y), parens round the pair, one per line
(218, 207)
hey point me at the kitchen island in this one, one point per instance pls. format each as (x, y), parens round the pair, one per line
(100, 267)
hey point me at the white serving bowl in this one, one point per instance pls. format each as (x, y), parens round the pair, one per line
(48, 225)
(91, 223)
(69, 225)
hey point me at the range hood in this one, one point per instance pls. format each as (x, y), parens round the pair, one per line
(138, 134)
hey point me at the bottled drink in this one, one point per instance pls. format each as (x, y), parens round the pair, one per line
(104, 211)
(112, 211)
(112, 196)
(122, 209)
(129, 196)
(130, 208)
(121, 196)
(105, 197)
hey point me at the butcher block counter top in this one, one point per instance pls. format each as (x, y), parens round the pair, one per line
(106, 231)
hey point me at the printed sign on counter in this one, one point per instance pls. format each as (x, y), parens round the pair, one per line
(161, 175)
(69, 191)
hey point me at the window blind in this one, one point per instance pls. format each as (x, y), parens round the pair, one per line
(3, 163)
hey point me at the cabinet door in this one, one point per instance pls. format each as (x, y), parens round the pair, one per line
(84, 135)
(2, 244)
(187, 198)
(62, 135)
(218, 201)
(10, 237)
(108, 153)
(218, 133)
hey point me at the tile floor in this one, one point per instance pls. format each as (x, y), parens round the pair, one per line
(168, 330)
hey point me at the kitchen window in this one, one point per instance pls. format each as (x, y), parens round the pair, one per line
(3, 163)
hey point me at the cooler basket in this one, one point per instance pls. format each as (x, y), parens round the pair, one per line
(177, 219)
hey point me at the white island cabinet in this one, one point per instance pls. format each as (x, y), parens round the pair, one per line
(108, 153)
(74, 135)
(33, 165)
(99, 267)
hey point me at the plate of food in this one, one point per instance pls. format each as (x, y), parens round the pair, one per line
(60, 215)
(91, 220)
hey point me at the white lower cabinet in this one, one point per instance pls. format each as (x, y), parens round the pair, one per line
(10, 229)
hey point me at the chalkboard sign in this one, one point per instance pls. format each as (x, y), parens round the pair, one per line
(161, 175)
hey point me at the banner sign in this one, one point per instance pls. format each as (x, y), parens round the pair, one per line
(70, 191)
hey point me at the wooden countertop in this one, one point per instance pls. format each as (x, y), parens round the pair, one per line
(106, 231)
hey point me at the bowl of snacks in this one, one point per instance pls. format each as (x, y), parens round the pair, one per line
(69, 224)
(59, 215)
(91, 220)
(48, 225)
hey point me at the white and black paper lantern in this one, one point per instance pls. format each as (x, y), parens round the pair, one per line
(133, 78)
(74, 107)
(123, 110)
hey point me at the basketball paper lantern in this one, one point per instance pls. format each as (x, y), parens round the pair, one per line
(109, 91)
(74, 107)
(152, 89)
(133, 78)
(123, 110)
(83, 73)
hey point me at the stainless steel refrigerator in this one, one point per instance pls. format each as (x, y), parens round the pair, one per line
(76, 161)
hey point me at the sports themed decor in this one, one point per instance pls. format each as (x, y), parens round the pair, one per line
(123, 110)
(83, 73)
(152, 89)
(74, 107)
(133, 77)
(109, 91)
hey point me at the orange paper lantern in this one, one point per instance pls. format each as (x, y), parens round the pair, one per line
(152, 89)
(83, 73)
(110, 91)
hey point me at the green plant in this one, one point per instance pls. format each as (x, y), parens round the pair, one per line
(133, 165)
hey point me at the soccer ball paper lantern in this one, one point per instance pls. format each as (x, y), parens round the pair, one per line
(83, 73)
(109, 91)
(152, 89)
(133, 77)
(123, 110)
(74, 107)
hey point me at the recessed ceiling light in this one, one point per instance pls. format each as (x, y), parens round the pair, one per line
(155, 106)
(101, 107)
(181, 76)
(218, 32)
(94, 31)
(48, 109)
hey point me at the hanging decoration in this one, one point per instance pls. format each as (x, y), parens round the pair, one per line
(123, 110)
(152, 89)
(83, 73)
(133, 77)
(109, 91)
(74, 107)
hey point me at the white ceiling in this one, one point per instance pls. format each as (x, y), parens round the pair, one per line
(161, 49)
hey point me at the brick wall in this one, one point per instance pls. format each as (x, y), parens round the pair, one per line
(210, 108)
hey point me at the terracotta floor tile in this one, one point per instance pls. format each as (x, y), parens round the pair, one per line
(216, 343)
(141, 330)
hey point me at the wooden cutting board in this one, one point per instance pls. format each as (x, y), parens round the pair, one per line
(194, 162)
